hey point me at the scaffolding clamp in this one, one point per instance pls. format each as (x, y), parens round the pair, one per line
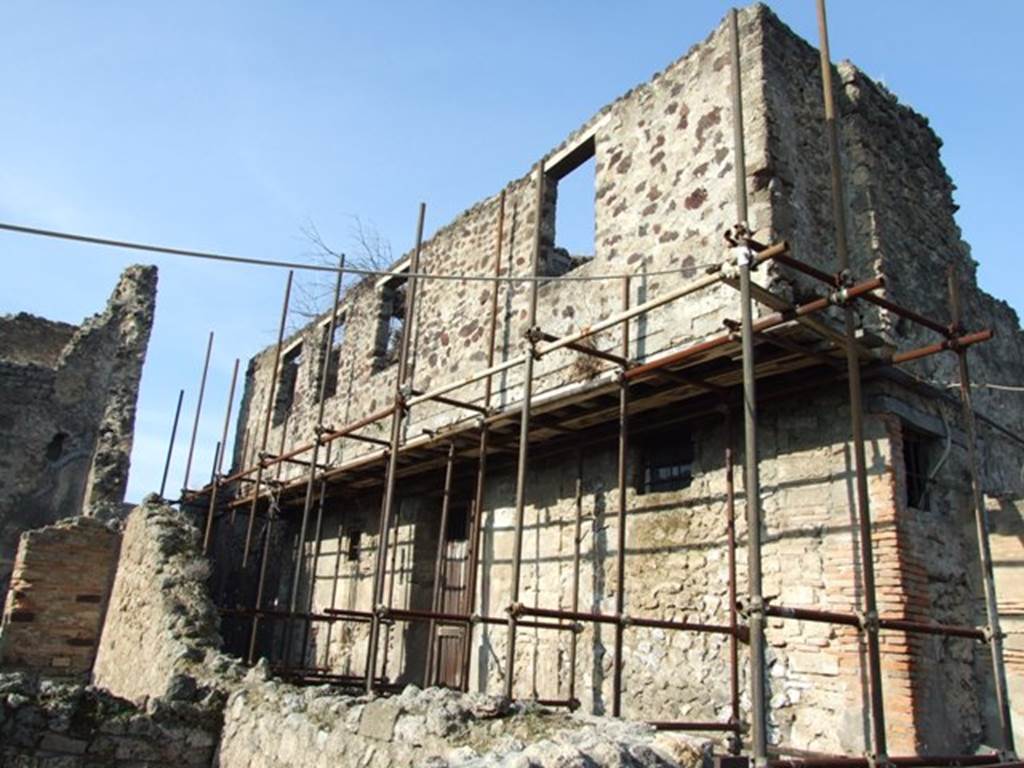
(992, 634)
(877, 761)
(868, 621)
(533, 336)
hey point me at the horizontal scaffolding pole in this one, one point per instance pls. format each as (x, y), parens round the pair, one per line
(853, 620)
(695, 725)
(623, 620)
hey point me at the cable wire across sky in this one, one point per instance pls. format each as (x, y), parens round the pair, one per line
(362, 272)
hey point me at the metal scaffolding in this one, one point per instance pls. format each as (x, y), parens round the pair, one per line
(679, 371)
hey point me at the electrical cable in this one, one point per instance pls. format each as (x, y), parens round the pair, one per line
(231, 259)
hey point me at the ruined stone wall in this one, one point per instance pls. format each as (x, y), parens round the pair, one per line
(159, 610)
(268, 724)
(73, 726)
(58, 596)
(67, 411)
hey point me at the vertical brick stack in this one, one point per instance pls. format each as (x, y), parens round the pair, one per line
(59, 591)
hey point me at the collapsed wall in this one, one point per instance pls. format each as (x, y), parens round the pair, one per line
(67, 411)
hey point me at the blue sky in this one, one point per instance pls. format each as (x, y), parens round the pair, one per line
(229, 126)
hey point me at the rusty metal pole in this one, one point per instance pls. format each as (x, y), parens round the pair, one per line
(735, 745)
(199, 411)
(317, 534)
(870, 629)
(442, 541)
(307, 504)
(272, 387)
(994, 633)
(623, 483)
(577, 540)
(170, 444)
(524, 436)
(397, 417)
(477, 510)
(272, 511)
(220, 461)
(752, 480)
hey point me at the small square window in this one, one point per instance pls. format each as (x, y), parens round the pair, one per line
(666, 463)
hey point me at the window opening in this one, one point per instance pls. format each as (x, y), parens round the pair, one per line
(666, 463)
(291, 363)
(333, 355)
(571, 183)
(392, 320)
(915, 464)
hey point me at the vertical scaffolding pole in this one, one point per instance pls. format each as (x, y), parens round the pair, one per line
(271, 391)
(752, 481)
(623, 482)
(317, 534)
(397, 418)
(170, 444)
(870, 629)
(524, 437)
(220, 461)
(442, 541)
(199, 411)
(307, 505)
(576, 542)
(735, 744)
(272, 512)
(477, 510)
(995, 635)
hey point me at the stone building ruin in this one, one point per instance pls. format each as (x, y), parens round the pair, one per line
(67, 411)
(503, 472)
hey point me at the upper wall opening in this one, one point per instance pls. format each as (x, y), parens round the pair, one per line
(571, 183)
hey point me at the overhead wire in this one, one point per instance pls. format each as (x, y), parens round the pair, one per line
(360, 271)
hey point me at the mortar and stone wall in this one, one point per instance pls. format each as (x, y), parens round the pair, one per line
(663, 197)
(67, 411)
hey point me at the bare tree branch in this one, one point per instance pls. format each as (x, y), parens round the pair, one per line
(314, 293)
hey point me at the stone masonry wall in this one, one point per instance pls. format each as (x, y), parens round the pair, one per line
(663, 181)
(272, 725)
(67, 411)
(58, 596)
(45, 724)
(159, 614)
(663, 197)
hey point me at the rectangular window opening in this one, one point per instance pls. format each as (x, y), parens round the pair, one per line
(572, 184)
(287, 380)
(916, 454)
(333, 355)
(355, 541)
(666, 462)
(391, 321)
